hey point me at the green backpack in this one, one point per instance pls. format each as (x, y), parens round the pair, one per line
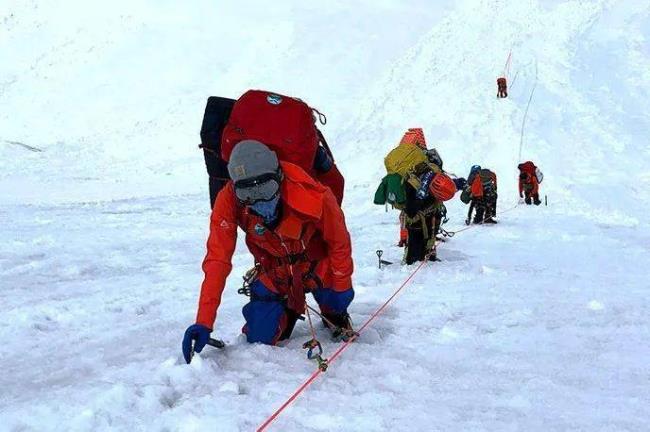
(391, 191)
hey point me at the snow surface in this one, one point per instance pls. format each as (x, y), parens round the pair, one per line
(540, 323)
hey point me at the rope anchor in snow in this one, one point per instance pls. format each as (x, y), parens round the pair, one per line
(381, 261)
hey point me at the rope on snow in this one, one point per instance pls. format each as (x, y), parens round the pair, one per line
(523, 122)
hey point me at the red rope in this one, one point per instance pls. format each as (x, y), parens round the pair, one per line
(338, 352)
(506, 67)
(347, 343)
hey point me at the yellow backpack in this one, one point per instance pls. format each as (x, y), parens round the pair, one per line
(403, 158)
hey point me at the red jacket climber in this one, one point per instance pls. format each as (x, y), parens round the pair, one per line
(296, 232)
(529, 182)
(481, 193)
(502, 88)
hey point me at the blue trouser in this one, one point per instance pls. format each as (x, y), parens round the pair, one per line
(268, 320)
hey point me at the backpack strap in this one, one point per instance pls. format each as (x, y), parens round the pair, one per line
(322, 140)
(322, 118)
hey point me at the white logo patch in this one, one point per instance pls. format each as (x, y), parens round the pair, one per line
(274, 99)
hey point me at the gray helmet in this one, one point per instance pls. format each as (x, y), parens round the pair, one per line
(255, 172)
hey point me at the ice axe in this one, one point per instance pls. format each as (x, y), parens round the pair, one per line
(381, 261)
(216, 343)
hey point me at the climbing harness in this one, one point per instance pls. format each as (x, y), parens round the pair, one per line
(250, 277)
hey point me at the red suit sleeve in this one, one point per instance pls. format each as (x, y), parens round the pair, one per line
(220, 248)
(339, 246)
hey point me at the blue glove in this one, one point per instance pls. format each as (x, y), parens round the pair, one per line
(198, 333)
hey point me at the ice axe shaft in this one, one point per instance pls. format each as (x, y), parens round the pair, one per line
(381, 261)
(217, 343)
(469, 213)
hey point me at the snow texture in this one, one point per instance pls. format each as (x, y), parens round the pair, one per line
(540, 323)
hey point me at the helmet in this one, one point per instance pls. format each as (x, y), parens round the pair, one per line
(255, 172)
(442, 187)
(475, 168)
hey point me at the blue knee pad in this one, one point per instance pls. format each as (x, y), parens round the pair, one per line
(334, 301)
(263, 314)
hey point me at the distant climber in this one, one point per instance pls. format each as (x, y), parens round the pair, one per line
(426, 191)
(416, 185)
(481, 194)
(529, 179)
(502, 88)
(415, 137)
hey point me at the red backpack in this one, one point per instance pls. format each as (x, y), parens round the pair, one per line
(529, 168)
(287, 126)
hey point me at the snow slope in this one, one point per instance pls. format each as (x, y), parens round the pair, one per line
(114, 93)
(538, 323)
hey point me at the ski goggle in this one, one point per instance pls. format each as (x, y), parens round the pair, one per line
(260, 188)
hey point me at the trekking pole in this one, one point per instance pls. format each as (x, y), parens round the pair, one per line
(469, 213)
(545, 200)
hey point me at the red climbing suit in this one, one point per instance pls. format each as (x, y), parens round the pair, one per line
(529, 181)
(312, 230)
(502, 88)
